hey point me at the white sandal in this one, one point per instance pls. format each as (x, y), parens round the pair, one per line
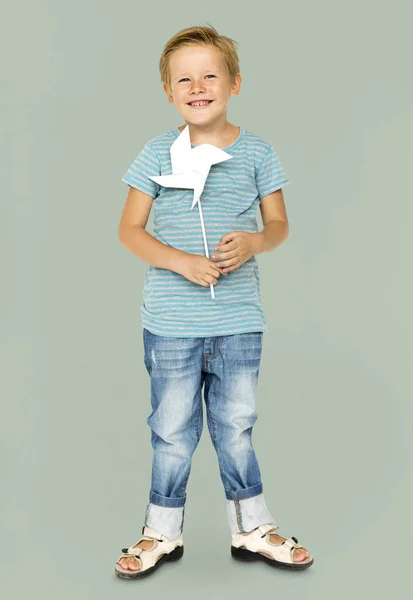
(163, 549)
(249, 548)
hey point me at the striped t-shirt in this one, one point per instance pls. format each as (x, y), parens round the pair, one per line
(172, 305)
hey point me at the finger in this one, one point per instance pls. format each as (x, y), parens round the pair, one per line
(209, 279)
(228, 237)
(220, 270)
(213, 264)
(225, 255)
(227, 247)
(215, 271)
(218, 266)
(229, 269)
(229, 263)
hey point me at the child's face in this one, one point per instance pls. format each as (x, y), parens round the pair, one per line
(198, 72)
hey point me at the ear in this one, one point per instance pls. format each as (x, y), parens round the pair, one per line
(168, 93)
(235, 86)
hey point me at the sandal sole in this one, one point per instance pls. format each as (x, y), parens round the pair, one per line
(176, 554)
(249, 556)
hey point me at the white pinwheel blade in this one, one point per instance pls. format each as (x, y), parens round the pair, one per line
(197, 192)
(181, 152)
(204, 156)
(208, 154)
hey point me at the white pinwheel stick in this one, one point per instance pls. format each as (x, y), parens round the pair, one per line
(190, 169)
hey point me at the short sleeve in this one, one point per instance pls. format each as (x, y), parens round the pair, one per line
(144, 165)
(270, 174)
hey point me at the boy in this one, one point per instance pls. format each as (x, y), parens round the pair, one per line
(191, 339)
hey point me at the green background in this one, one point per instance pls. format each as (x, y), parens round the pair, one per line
(328, 84)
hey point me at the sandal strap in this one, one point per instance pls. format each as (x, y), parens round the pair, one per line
(135, 549)
(151, 533)
(263, 529)
(292, 543)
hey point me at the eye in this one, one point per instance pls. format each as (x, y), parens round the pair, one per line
(187, 78)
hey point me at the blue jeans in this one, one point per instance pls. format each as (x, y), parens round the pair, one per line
(179, 368)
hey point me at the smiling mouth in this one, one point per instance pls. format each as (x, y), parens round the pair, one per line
(200, 103)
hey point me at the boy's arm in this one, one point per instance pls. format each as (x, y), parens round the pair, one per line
(275, 221)
(133, 236)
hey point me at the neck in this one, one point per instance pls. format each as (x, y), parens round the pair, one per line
(217, 134)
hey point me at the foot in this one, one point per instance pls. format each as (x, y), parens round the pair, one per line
(299, 554)
(131, 564)
(149, 552)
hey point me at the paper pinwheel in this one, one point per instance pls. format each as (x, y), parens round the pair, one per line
(190, 168)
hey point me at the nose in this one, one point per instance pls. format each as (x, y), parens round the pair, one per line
(197, 86)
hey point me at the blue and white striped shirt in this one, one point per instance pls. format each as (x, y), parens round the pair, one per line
(172, 305)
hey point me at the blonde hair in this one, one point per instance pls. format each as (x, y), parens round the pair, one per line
(200, 35)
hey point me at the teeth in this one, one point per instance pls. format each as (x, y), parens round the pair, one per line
(199, 103)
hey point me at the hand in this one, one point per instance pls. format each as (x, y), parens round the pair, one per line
(235, 249)
(199, 269)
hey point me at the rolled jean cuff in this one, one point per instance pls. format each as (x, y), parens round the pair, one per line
(248, 514)
(155, 498)
(168, 521)
(245, 493)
